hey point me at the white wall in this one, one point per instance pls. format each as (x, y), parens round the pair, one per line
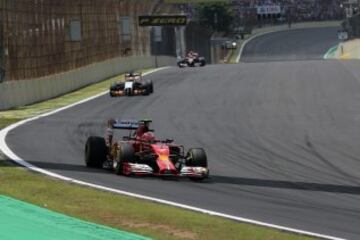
(24, 92)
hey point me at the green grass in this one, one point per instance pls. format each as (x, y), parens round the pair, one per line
(139, 216)
(67, 99)
(7, 121)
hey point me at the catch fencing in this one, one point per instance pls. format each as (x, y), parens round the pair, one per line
(44, 37)
(352, 26)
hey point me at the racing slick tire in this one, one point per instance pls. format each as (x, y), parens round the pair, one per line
(126, 155)
(148, 86)
(202, 63)
(196, 157)
(95, 152)
(151, 88)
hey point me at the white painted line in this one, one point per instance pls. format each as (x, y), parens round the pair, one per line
(11, 155)
(248, 40)
(332, 49)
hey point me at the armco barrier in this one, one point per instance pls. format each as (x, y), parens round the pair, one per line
(22, 92)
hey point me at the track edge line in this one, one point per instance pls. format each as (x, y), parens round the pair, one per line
(13, 157)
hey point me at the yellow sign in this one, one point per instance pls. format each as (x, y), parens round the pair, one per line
(162, 20)
(194, 1)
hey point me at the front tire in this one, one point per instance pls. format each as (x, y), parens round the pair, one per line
(196, 157)
(150, 86)
(95, 152)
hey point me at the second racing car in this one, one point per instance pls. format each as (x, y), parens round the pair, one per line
(134, 84)
(141, 153)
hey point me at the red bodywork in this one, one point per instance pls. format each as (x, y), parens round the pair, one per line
(146, 155)
(163, 160)
(161, 153)
(164, 164)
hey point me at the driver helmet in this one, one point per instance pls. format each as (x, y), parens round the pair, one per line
(143, 128)
(148, 137)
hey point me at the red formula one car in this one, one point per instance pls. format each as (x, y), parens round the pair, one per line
(192, 59)
(140, 153)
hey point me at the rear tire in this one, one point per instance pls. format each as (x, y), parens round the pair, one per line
(95, 152)
(126, 155)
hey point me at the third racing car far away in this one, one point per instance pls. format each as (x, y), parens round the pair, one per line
(140, 153)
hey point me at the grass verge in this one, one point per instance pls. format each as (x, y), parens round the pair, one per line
(138, 216)
(142, 217)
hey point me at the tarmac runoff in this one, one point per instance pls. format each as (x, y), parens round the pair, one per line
(345, 50)
(214, 213)
(20, 220)
(272, 29)
(20, 161)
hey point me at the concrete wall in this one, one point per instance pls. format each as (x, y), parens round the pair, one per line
(24, 92)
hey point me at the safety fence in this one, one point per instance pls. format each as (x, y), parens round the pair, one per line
(352, 26)
(44, 37)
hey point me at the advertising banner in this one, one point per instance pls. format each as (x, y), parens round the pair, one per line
(162, 20)
(268, 9)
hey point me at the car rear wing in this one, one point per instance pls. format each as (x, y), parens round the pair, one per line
(126, 124)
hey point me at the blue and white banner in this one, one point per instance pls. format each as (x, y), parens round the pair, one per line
(268, 9)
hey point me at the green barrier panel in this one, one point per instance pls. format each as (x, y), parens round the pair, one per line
(23, 221)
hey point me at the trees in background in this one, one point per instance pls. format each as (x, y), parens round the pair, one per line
(217, 16)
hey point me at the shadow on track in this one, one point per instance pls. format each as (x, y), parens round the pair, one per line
(56, 166)
(215, 179)
(320, 187)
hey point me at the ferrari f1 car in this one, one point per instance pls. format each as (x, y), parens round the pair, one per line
(134, 84)
(140, 153)
(191, 60)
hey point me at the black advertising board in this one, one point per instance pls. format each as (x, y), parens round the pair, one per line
(162, 20)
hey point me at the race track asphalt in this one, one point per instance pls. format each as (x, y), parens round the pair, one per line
(282, 137)
(298, 44)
